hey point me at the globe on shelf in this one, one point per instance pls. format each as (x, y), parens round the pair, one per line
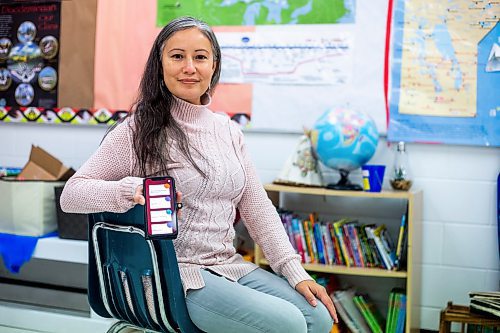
(344, 140)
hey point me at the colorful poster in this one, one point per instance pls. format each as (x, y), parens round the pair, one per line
(29, 53)
(284, 62)
(440, 68)
(258, 12)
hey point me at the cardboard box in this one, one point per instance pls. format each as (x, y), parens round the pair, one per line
(43, 166)
(28, 205)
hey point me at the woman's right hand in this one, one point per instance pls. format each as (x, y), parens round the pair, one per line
(141, 200)
(139, 196)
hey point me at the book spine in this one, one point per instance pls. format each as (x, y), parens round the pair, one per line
(377, 259)
(345, 237)
(365, 247)
(297, 238)
(307, 259)
(403, 234)
(339, 260)
(389, 247)
(358, 244)
(319, 243)
(367, 315)
(313, 241)
(352, 243)
(343, 315)
(287, 220)
(400, 322)
(328, 244)
(390, 313)
(338, 231)
(307, 235)
(380, 248)
(395, 314)
(402, 228)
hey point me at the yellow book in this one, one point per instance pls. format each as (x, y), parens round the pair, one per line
(307, 235)
(337, 226)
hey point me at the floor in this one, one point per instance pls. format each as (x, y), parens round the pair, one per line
(4, 329)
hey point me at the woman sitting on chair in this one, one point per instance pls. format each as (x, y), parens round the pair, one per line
(172, 131)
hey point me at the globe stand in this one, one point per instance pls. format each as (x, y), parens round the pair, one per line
(344, 184)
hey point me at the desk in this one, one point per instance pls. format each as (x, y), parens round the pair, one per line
(58, 249)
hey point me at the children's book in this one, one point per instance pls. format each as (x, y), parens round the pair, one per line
(343, 315)
(340, 237)
(401, 245)
(345, 297)
(370, 313)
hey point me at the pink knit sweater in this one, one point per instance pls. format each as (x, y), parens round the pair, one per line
(106, 182)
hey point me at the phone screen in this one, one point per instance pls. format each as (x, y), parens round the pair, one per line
(161, 207)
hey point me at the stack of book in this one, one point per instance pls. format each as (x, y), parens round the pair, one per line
(396, 315)
(358, 312)
(346, 242)
(485, 303)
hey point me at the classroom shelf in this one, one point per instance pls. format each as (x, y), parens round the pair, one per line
(410, 278)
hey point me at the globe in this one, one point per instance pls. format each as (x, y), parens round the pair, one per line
(344, 140)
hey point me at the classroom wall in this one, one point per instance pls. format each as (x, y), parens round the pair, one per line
(460, 245)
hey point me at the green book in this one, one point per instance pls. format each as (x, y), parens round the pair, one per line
(373, 310)
(367, 314)
(396, 294)
(390, 313)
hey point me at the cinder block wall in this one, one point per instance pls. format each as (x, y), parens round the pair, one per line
(460, 245)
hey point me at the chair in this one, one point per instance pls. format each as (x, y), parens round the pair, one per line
(133, 279)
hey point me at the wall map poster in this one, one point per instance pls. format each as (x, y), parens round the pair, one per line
(445, 72)
(29, 53)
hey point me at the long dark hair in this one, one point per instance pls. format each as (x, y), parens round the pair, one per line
(154, 124)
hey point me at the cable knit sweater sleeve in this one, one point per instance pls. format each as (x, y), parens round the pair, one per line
(264, 224)
(103, 182)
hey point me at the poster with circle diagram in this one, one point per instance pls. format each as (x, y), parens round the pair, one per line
(29, 53)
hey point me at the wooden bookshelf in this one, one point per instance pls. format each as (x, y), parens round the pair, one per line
(411, 277)
(270, 188)
(336, 269)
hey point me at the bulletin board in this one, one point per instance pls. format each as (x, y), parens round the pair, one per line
(285, 64)
(283, 70)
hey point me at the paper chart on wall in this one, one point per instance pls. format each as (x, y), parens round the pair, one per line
(306, 57)
(289, 67)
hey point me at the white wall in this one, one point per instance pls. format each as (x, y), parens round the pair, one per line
(460, 247)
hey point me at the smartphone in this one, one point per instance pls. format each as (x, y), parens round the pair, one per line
(161, 208)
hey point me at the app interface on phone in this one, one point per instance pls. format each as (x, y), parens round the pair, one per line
(160, 206)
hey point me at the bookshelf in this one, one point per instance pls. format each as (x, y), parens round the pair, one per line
(410, 277)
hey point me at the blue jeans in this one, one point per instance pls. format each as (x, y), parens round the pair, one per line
(258, 302)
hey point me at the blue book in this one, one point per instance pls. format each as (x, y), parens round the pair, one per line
(400, 323)
(319, 243)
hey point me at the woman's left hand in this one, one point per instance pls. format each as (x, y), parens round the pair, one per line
(311, 290)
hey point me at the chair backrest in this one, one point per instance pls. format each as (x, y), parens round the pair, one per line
(134, 279)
